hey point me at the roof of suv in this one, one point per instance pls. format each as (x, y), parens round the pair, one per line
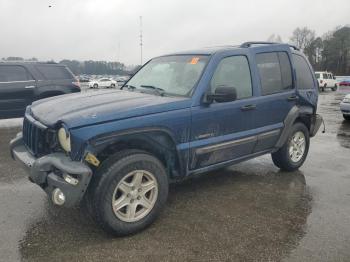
(24, 63)
(216, 49)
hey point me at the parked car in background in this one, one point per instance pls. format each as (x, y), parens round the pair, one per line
(103, 82)
(122, 80)
(344, 83)
(22, 83)
(180, 115)
(345, 107)
(84, 79)
(326, 80)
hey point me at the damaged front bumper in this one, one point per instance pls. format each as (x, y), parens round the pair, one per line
(54, 173)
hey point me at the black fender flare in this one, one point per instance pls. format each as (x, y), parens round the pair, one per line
(98, 144)
(288, 122)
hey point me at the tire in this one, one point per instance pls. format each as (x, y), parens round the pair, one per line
(113, 178)
(334, 88)
(323, 88)
(95, 85)
(112, 85)
(283, 159)
(346, 117)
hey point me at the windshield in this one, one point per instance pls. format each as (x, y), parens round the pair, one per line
(173, 75)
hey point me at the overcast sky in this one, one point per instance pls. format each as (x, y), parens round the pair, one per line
(93, 29)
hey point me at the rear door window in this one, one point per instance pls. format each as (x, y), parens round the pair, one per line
(304, 74)
(54, 72)
(14, 73)
(275, 72)
(325, 76)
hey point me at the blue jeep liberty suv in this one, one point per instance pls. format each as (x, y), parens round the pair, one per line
(181, 114)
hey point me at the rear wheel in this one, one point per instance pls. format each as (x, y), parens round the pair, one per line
(130, 192)
(335, 87)
(95, 85)
(346, 117)
(112, 85)
(293, 153)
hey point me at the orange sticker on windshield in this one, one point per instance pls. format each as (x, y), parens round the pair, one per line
(194, 60)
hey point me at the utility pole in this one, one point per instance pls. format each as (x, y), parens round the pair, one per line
(141, 37)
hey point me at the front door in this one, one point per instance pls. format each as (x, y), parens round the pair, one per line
(16, 90)
(224, 131)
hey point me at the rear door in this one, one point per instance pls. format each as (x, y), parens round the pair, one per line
(54, 78)
(16, 90)
(277, 95)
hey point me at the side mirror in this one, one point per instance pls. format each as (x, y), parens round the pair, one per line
(222, 94)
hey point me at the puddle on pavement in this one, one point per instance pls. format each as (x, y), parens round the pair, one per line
(230, 213)
(343, 134)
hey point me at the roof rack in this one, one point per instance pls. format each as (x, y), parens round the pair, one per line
(249, 44)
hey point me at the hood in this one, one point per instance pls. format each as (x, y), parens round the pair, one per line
(82, 109)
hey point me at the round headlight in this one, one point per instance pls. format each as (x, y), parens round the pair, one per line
(64, 139)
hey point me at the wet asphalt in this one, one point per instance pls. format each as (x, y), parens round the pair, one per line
(249, 212)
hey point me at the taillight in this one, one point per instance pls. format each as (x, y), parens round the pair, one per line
(77, 84)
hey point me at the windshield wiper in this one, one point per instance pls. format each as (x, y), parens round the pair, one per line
(159, 90)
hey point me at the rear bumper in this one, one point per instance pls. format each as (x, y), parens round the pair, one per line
(345, 108)
(48, 171)
(316, 122)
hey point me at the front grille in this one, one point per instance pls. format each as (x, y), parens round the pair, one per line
(34, 136)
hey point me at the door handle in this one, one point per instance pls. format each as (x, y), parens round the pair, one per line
(29, 87)
(292, 98)
(248, 107)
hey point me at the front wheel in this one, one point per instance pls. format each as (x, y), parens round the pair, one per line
(130, 193)
(293, 153)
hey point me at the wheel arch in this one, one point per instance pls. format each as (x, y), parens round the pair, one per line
(303, 115)
(157, 142)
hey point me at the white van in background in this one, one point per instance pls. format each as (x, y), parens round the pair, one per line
(326, 80)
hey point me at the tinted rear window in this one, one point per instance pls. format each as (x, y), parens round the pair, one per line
(13, 73)
(54, 72)
(304, 74)
(275, 72)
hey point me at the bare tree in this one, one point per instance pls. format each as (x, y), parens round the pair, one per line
(303, 37)
(275, 38)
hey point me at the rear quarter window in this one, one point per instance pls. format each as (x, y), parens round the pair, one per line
(303, 73)
(54, 72)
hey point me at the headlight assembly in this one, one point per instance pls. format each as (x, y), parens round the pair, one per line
(64, 139)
